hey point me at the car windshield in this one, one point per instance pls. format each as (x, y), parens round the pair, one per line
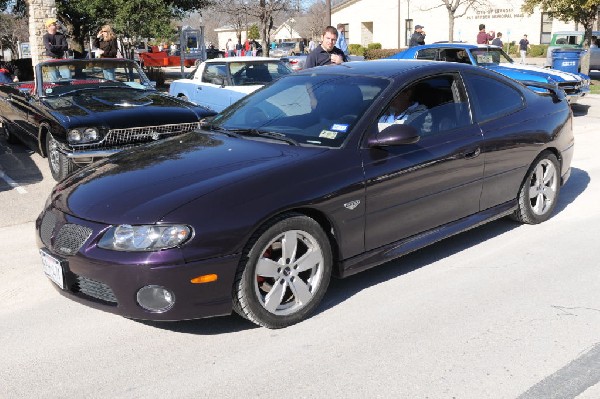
(490, 56)
(312, 110)
(257, 72)
(60, 77)
(286, 45)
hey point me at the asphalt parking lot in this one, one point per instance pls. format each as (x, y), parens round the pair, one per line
(502, 311)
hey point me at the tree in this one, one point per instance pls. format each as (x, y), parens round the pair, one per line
(457, 9)
(13, 29)
(265, 11)
(130, 18)
(583, 12)
(315, 20)
(253, 32)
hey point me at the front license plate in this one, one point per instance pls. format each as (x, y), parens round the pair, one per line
(53, 268)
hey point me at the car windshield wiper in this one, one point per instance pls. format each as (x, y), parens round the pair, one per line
(216, 128)
(271, 135)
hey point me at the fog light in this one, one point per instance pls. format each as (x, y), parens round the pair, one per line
(155, 298)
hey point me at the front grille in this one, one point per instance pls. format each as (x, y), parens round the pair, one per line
(96, 289)
(138, 135)
(569, 87)
(70, 238)
(47, 227)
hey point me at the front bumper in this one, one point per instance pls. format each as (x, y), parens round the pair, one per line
(109, 280)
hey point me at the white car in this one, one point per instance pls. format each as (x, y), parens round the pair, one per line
(219, 82)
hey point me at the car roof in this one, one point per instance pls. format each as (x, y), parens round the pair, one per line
(241, 59)
(454, 44)
(386, 68)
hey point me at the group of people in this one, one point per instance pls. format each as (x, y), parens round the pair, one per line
(248, 48)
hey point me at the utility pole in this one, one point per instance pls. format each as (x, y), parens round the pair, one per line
(328, 12)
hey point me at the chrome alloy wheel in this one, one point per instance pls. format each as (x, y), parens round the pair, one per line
(289, 272)
(53, 155)
(543, 187)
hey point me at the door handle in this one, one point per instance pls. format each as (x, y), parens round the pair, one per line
(472, 154)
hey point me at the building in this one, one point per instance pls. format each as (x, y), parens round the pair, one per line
(391, 22)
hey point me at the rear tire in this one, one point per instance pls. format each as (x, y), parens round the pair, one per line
(284, 272)
(539, 192)
(60, 165)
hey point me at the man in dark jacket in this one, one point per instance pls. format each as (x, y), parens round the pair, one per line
(54, 41)
(417, 38)
(326, 53)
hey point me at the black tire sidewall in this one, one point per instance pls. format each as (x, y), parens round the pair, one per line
(64, 164)
(250, 304)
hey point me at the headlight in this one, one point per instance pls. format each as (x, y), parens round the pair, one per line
(144, 238)
(83, 135)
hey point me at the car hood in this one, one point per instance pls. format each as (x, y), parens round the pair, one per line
(525, 72)
(142, 186)
(121, 108)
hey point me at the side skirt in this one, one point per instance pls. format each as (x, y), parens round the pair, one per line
(397, 249)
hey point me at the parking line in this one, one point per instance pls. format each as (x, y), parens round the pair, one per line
(12, 183)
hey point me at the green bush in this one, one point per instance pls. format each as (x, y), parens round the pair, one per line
(538, 50)
(375, 54)
(374, 46)
(356, 49)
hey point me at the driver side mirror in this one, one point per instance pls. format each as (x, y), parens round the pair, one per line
(393, 135)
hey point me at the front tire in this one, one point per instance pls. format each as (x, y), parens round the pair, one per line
(539, 192)
(60, 165)
(283, 276)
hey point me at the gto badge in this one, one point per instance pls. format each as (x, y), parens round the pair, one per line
(352, 204)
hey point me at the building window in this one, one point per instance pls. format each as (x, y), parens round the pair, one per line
(546, 31)
(408, 30)
(347, 32)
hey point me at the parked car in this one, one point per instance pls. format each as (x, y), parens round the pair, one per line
(494, 58)
(285, 49)
(573, 39)
(295, 62)
(78, 111)
(301, 180)
(218, 83)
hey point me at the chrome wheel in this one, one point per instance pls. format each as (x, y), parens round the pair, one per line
(539, 192)
(53, 156)
(543, 187)
(284, 272)
(289, 272)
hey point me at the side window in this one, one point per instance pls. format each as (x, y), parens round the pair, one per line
(427, 54)
(433, 106)
(214, 71)
(492, 98)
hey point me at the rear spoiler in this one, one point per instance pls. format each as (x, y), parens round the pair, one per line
(556, 92)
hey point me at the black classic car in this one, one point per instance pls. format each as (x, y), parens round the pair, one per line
(77, 111)
(325, 172)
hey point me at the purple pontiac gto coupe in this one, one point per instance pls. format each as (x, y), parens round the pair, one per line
(326, 172)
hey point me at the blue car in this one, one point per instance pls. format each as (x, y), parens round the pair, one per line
(494, 58)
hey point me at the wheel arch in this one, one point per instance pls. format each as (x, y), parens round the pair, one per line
(44, 130)
(315, 214)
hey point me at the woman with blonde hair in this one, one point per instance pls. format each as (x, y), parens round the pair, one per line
(106, 43)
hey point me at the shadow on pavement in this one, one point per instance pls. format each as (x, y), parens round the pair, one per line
(16, 165)
(580, 109)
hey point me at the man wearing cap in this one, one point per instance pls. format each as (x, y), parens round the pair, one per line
(54, 42)
(417, 38)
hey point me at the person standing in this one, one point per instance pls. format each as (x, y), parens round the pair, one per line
(106, 43)
(498, 40)
(230, 47)
(311, 45)
(54, 41)
(483, 37)
(418, 37)
(326, 53)
(523, 46)
(341, 39)
(301, 46)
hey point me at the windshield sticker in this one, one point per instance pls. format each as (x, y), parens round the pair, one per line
(48, 90)
(339, 127)
(328, 134)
